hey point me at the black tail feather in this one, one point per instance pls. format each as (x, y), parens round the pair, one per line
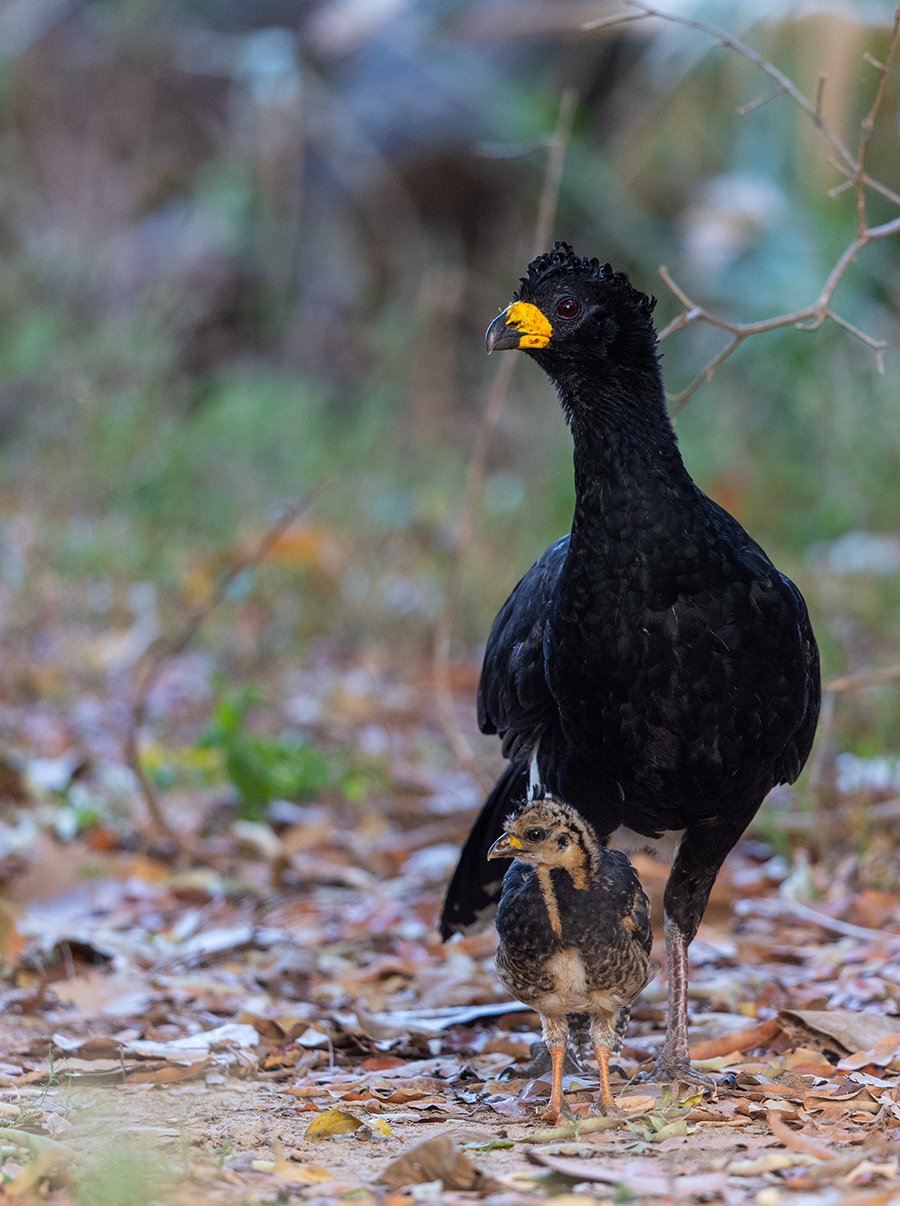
(475, 887)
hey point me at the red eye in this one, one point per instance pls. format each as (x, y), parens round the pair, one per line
(567, 308)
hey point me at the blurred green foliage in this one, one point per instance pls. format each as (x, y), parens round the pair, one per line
(129, 1175)
(262, 768)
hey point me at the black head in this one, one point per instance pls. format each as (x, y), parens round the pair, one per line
(592, 332)
(571, 307)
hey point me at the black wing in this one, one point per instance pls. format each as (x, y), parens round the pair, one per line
(513, 697)
(795, 687)
(797, 748)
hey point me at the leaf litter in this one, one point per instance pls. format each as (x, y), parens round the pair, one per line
(271, 1015)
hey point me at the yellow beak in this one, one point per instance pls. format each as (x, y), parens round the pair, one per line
(505, 846)
(521, 325)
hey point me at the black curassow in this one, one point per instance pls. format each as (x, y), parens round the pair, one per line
(653, 668)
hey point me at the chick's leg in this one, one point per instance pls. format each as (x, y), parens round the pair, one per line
(603, 1037)
(556, 1034)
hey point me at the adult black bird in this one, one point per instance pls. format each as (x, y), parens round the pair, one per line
(653, 668)
(574, 928)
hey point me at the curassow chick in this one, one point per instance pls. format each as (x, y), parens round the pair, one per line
(574, 926)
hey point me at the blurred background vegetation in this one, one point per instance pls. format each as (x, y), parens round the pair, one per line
(248, 245)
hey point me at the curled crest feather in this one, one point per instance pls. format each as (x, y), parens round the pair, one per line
(562, 259)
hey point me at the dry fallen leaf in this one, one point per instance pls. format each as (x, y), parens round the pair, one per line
(639, 1178)
(232, 1035)
(332, 1122)
(437, 1159)
(740, 1040)
(884, 1054)
(796, 1141)
(146, 1072)
(769, 1162)
(45, 1154)
(11, 941)
(112, 994)
(288, 1170)
(849, 1028)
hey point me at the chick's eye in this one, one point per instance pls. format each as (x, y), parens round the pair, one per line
(568, 307)
(534, 835)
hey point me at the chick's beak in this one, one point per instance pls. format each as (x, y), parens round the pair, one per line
(505, 846)
(521, 325)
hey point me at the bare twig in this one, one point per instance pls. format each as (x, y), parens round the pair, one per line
(877, 186)
(499, 392)
(865, 678)
(820, 95)
(779, 908)
(784, 82)
(443, 632)
(147, 672)
(868, 122)
(853, 167)
(556, 159)
(752, 106)
(808, 319)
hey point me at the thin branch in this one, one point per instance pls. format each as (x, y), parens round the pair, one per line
(443, 632)
(609, 22)
(877, 186)
(812, 317)
(863, 679)
(497, 396)
(147, 672)
(780, 907)
(820, 95)
(681, 400)
(752, 106)
(868, 122)
(877, 345)
(785, 83)
(556, 156)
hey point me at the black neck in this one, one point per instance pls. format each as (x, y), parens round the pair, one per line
(628, 469)
(620, 426)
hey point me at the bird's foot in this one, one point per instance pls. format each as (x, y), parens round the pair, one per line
(550, 1113)
(667, 1071)
(608, 1109)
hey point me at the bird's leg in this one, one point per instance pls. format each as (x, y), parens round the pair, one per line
(555, 1104)
(674, 1061)
(556, 1032)
(701, 852)
(606, 1097)
(603, 1038)
(578, 1050)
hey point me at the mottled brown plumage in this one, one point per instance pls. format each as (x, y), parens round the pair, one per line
(574, 926)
